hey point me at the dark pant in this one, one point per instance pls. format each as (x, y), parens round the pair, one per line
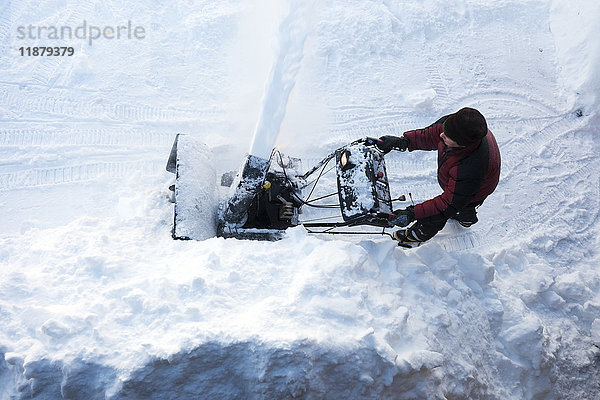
(426, 228)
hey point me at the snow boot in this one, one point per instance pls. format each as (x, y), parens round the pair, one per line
(466, 217)
(406, 238)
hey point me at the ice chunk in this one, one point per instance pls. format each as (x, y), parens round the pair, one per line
(572, 286)
(55, 329)
(477, 268)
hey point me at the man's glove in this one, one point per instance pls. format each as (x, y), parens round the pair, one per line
(388, 142)
(403, 217)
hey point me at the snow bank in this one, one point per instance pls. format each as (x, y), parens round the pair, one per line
(573, 25)
(302, 317)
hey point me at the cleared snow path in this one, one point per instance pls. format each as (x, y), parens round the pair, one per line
(96, 300)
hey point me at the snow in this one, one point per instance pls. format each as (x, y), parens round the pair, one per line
(97, 301)
(291, 36)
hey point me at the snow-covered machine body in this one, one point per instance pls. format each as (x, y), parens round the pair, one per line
(364, 192)
(268, 196)
(194, 192)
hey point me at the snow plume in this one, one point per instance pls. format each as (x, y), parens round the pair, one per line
(291, 35)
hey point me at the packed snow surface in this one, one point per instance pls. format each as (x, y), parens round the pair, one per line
(97, 301)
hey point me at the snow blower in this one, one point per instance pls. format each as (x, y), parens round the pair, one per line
(268, 196)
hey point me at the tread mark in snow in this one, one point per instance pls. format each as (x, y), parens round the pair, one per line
(77, 173)
(8, 13)
(347, 114)
(465, 241)
(111, 136)
(407, 168)
(523, 101)
(352, 126)
(46, 68)
(346, 118)
(513, 157)
(552, 200)
(39, 101)
(438, 84)
(5, 25)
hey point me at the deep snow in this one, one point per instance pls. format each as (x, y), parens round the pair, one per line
(97, 301)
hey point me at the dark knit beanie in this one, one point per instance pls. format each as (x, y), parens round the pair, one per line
(466, 126)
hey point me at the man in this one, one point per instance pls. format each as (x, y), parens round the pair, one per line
(468, 172)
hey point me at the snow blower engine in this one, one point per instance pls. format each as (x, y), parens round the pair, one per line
(267, 196)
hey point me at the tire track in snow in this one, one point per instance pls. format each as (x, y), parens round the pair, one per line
(515, 151)
(45, 71)
(349, 114)
(10, 12)
(372, 130)
(568, 233)
(5, 25)
(518, 102)
(465, 241)
(39, 101)
(94, 137)
(372, 126)
(419, 194)
(400, 167)
(367, 108)
(77, 173)
(558, 195)
(439, 86)
(348, 118)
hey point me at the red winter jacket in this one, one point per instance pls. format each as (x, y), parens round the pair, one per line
(467, 174)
